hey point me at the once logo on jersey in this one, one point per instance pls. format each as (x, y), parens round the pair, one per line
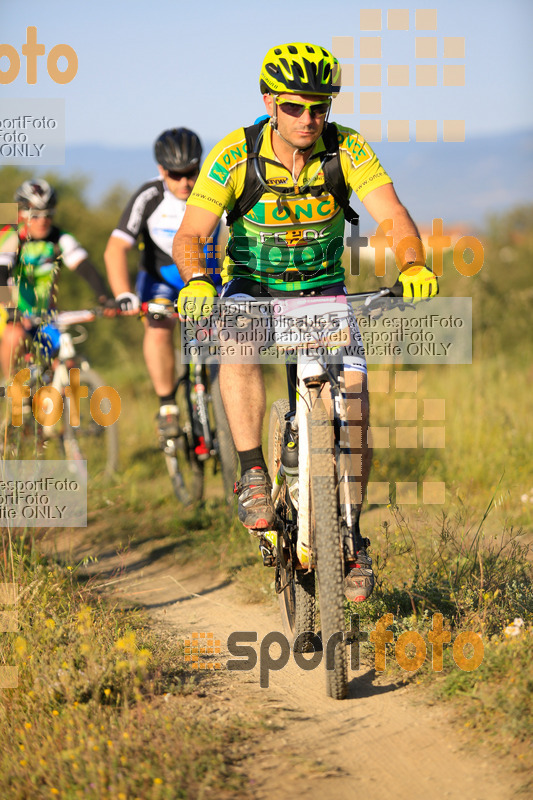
(310, 210)
(226, 161)
(358, 149)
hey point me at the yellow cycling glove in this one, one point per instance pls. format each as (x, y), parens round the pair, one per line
(418, 283)
(196, 298)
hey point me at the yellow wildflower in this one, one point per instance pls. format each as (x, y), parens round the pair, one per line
(85, 620)
(21, 646)
(127, 643)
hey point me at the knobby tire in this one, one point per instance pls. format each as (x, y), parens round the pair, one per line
(297, 598)
(185, 470)
(328, 549)
(227, 453)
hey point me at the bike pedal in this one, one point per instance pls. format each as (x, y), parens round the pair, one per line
(267, 548)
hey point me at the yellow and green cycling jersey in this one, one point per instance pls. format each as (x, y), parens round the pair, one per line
(33, 265)
(296, 243)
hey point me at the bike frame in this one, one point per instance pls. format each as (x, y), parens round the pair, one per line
(67, 349)
(205, 428)
(314, 373)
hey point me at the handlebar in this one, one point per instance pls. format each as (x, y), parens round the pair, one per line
(63, 319)
(158, 310)
(372, 301)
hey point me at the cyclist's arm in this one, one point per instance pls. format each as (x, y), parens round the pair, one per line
(383, 204)
(76, 258)
(89, 273)
(197, 223)
(9, 246)
(4, 274)
(116, 262)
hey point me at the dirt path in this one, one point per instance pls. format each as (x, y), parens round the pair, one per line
(385, 741)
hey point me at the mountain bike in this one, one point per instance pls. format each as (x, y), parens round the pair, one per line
(49, 372)
(204, 434)
(313, 489)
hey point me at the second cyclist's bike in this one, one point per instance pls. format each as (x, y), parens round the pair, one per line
(204, 435)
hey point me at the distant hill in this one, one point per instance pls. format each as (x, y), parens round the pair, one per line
(455, 181)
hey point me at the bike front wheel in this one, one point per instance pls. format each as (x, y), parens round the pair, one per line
(24, 441)
(185, 469)
(328, 549)
(227, 454)
(297, 587)
(20, 443)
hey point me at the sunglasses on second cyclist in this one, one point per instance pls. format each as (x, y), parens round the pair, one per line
(31, 213)
(176, 175)
(295, 108)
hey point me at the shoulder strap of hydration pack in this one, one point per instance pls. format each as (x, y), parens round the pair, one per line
(333, 176)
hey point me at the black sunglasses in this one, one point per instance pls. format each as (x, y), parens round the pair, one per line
(176, 175)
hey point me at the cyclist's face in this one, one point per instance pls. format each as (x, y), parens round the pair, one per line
(179, 184)
(37, 227)
(300, 131)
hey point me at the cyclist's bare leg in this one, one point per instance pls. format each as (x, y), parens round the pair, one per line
(243, 394)
(10, 346)
(158, 350)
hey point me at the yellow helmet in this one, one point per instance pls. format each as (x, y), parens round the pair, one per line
(300, 68)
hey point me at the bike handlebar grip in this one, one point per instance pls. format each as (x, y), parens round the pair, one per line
(396, 290)
(157, 310)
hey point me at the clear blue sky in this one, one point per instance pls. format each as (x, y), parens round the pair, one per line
(147, 66)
